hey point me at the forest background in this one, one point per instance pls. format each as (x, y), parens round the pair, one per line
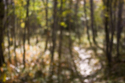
(62, 41)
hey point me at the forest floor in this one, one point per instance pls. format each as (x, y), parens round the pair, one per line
(88, 64)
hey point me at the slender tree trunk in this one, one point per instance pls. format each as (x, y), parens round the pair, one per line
(71, 46)
(119, 25)
(112, 28)
(54, 28)
(92, 20)
(60, 41)
(27, 18)
(112, 22)
(106, 22)
(86, 23)
(24, 33)
(8, 30)
(24, 50)
(76, 20)
(14, 34)
(1, 33)
(47, 38)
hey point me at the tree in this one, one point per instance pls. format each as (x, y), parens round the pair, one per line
(86, 22)
(27, 21)
(92, 21)
(60, 39)
(24, 33)
(119, 24)
(106, 25)
(14, 32)
(46, 12)
(8, 28)
(54, 31)
(1, 32)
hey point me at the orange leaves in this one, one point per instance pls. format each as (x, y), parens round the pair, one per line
(35, 60)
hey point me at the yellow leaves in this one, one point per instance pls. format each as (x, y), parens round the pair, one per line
(66, 12)
(2, 45)
(106, 15)
(23, 25)
(15, 1)
(50, 5)
(2, 73)
(11, 39)
(31, 74)
(103, 7)
(43, 23)
(20, 2)
(63, 24)
(3, 77)
(72, 37)
(4, 65)
(71, 20)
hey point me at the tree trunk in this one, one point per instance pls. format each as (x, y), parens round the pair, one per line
(47, 34)
(8, 30)
(86, 23)
(92, 20)
(119, 25)
(76, 21)
(112, 23)
(27, 19)
(106, 23)
(24, 33)
(1, 32)
(60, 41)
(54, 30)
(71, 46)
(14, 34)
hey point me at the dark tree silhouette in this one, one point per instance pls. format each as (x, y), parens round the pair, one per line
(1, 32)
